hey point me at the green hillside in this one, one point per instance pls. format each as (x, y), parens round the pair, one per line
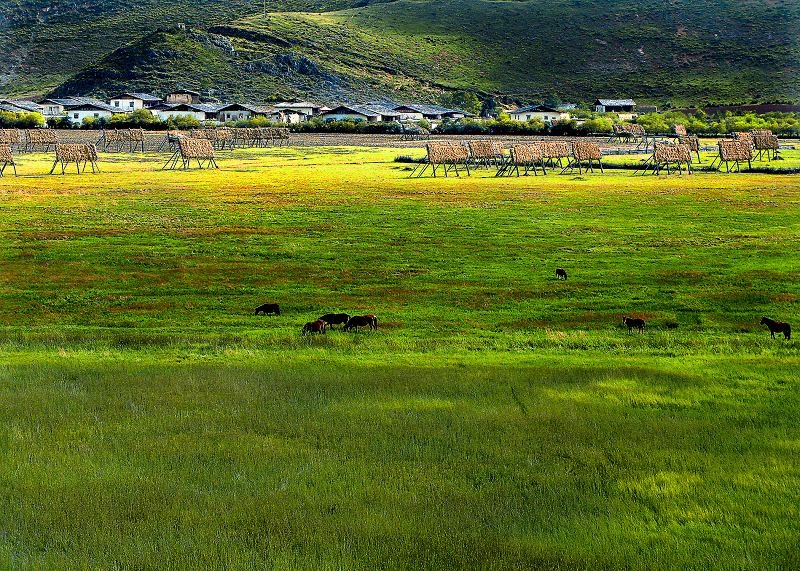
(45, 42)
(706, 51)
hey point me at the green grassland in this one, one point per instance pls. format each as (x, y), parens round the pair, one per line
(668, 53)
(498, 419)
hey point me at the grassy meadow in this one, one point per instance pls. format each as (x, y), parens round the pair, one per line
(498, 419)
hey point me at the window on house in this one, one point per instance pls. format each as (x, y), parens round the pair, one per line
(116, 104)
(130, 104)
(96, 115)
(76, 115)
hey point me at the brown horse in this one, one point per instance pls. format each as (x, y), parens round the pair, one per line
(317, 326)
(633, 323)
(777, 327)
(357, 321)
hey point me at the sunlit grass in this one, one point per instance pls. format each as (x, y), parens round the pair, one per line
(498, 418)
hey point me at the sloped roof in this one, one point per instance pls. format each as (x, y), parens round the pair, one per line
(18, 104)
(300, 105)
(94, 105)
(69, 102)
(432, 109)
(616, 102)
(252, 107)
(203, 107)
(141, 96)
(366, 110)
(536, 108)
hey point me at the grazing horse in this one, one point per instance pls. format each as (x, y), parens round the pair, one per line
(561, 274)
(633, 323)
(335, 319)
(317, 326)
(777, 327)
(269, 309)
(361, 321)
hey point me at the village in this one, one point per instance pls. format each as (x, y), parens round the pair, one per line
(188, 103)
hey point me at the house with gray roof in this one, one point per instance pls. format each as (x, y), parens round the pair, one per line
(371, 113)
(130, 101)
(417, 112)
(615, 106)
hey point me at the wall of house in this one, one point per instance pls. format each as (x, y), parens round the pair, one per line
(79, 116)
(347, 117)
(127, 105)
(307, 111)
(164, 115)
(288, 118)
(410, 116)
(225, 116)
(544, 116)
(52, 110)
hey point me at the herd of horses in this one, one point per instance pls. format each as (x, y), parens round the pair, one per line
(321, 325)
(354, 322)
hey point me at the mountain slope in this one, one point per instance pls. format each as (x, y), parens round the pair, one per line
(666, 51)
(46, 41)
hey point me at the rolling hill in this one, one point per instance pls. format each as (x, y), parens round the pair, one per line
(44, 42)
(665, 51)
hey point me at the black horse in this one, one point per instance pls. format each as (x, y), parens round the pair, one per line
(561, 274)
(269, 309)
(777, 327)
(634, 323)
(361, 321)
(335, 319)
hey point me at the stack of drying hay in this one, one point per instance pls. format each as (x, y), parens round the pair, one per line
(76, 153)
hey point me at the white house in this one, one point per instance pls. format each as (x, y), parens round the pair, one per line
(304, 109)
(241, 112)
(370, 113)
(78, 113)
(52, 107)
(199, 111)
(129, 102)
(625, 108)
(288, 116)
(417, 112)
(545, 114)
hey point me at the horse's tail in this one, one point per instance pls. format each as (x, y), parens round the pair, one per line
(375, 322)
(788, 331)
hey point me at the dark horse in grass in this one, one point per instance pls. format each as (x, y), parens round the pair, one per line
(357, 321)
(561, 274)
(317, 326)
(335, 319)
(633, 323)
(269, 309)
(777, 327)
